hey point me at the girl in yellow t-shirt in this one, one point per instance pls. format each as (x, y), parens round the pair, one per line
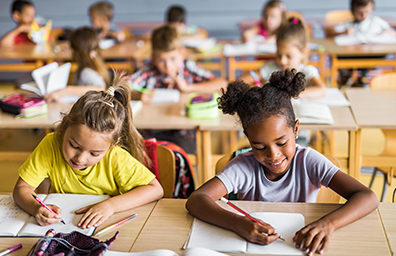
(95, 150)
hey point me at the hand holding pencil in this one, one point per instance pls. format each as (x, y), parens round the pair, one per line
(262, 229)
(48, 214)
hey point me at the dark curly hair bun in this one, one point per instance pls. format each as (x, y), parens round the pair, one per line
(289, 81)
(231, 99)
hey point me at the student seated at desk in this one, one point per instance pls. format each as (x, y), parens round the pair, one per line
(92, 73)
(95, 150)
(176, 16)
(23, 13)
(292, 52)
(273, 16)
(277, 169)
(101, 15)
(169, 69)
(364, 23)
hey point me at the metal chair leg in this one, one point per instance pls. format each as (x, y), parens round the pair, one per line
(384, 188)
(373, 177)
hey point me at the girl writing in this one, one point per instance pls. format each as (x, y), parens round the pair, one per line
(92, 73)
(276, 169)
(273, 16)
(95, 150)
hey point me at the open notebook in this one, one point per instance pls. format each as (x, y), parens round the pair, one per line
(312, 112)
(16, 222)
(215, 238)
(344, 40)
(163, 252)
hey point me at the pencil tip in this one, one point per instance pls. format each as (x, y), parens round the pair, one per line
(63, 222)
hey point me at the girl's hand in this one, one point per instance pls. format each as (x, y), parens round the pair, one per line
(256, 233)
(147, 96)
(54, 96)
(45, 217)
(314, 237)
(94, 215)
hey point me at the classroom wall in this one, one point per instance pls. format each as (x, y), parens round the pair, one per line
(219, 17)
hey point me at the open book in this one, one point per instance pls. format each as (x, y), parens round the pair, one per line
(312, 113)
(48, 78)
(364, 39)
(189, 252)
(16, 222)
(215, 238)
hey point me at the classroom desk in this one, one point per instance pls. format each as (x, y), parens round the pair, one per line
(371, 109)
(355, 54)
(127, 236)
(169, 225)
(387, 212)
(343, 120)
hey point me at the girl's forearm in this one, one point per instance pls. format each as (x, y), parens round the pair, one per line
(358, 206)
(136, 197)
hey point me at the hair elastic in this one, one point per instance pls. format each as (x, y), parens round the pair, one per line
(111, 91)
(107, 103)
(294, 20)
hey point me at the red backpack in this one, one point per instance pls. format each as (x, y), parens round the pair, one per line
(184, 183)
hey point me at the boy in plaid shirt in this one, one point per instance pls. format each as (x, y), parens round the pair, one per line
(169, 69)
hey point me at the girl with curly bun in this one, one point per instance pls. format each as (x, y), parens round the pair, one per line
(277, 169)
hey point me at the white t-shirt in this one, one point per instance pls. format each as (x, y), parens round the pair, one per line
(373, 25)
(308, 170)
(269, 67)
(89, 76)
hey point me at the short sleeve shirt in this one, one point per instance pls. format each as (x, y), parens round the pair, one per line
(271, 66)
(89, 76)
(372, 25)
(150, 78)
(116, 173)
(308, 170)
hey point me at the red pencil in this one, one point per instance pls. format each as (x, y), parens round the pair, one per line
(243, 212)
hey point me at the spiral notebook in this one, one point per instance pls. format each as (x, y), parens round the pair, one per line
(16, 222)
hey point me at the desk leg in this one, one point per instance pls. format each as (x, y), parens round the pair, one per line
(198, 141)
(231, 68)
(207, 171)
(355, 153)
(334, 71)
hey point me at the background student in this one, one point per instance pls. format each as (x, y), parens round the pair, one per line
(273, 16)
(276, 169)
(95, 150)
(92, 72)
(23, 13)
(169, 68)
(364, 25)
(292, 52)
(176, 16)
(101, 15)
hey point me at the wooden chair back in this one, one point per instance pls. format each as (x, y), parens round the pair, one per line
(167, 170)
(338, 16)
(325, 195)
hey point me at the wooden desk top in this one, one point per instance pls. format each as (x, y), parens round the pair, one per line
(343, 120)
(169, 226)
(388, 213)
(331, 47)
(373, 108)
(132, 48)
(127, 236)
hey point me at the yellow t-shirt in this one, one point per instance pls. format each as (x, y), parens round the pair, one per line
(116, 173)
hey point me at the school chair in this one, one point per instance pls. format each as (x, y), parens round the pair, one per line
(385, 163)
(166, 170)
(325, 195)
(335, 17)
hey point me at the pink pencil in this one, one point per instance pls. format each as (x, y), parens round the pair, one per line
(115, 224)
(243, 212)
(45, 206)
